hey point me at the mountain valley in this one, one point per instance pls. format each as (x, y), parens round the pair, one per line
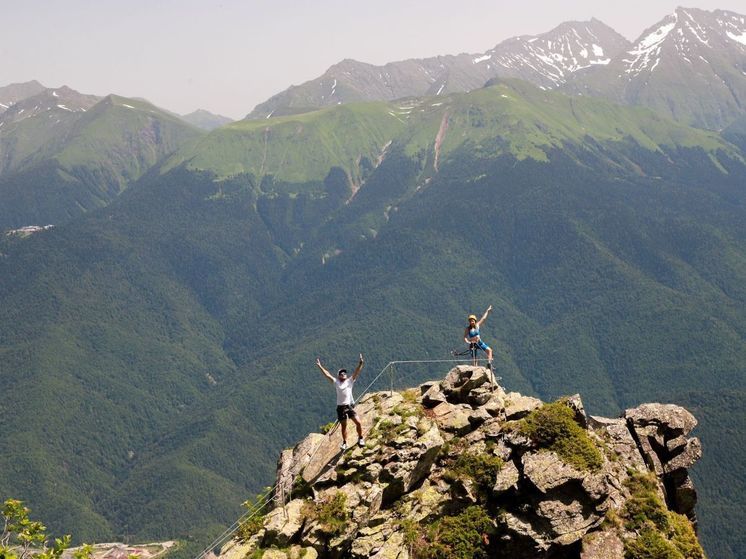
(157, 343)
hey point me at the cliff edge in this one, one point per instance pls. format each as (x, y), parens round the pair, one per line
(462, 469)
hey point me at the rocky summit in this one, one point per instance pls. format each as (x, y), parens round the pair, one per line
(462, 468)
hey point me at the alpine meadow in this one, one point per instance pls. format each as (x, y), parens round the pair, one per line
(157, 343)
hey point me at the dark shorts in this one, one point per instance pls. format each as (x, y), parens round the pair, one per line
(343, 412)
(481, 345)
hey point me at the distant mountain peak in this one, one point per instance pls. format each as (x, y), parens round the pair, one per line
(53, 102)
(545, 60)
(206, 120)
(550, 58)
(686, 34)
(689, 66)
(11, 94)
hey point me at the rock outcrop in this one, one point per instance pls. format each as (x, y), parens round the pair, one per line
(460, 468)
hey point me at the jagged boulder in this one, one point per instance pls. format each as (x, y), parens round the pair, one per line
(453, 418)
(669, 419)
(518, 406)
(283, 524)
(380, 541)
(411, 465)
(660, 431)
(546, 470)
(569, 516)
(462, 460)
(507, 478)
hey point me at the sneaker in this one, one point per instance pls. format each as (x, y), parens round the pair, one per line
(343, 446)
(361, 442)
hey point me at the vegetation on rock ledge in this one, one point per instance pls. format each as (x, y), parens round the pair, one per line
(553, 426)
(463, 536)
(661, 533)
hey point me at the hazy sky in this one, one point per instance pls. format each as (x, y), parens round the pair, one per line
(228, 55)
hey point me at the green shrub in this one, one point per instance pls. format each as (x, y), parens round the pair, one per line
(481, 468)
(553, 426)
(411, 395)
(450, 537)
(23, 538)
(301, 488)
(254, 521)
(324, 429)
(661, 533)
(405, 411)
(331, 513)
(650, 544)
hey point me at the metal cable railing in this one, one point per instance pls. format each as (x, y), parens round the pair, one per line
(271, 492)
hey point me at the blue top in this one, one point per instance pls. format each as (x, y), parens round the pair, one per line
(474, 332)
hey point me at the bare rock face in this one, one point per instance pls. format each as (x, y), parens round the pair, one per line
(602, 545)
(518, 406)
(660, 431)
(546, 470)
(460, 453)
(284, 523)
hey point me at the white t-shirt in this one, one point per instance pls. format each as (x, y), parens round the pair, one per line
(344, 391)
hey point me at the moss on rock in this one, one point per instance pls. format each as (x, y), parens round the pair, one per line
(553, 426)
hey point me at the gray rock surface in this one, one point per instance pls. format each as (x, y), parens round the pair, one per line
(602, 545)
(425, 452)
(546, 470)
(507, 478)
(518, 406)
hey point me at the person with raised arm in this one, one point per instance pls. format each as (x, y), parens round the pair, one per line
(473, 336)
(345, 402)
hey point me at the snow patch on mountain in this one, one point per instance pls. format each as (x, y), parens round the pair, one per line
(646, 53)
(552, 58)
(738, 38)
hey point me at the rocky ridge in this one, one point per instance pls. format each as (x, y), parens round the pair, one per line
(461, 468)
(546, 60)
(12, 93)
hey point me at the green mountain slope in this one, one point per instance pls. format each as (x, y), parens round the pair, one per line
(60, 162)
(183, 321)
(296, 149)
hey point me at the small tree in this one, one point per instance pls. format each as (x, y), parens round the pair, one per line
(22, 537)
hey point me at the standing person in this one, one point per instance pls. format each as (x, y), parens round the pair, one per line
(472, 335)
(345, 402)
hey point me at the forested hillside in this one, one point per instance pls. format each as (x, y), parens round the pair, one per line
(173, 333)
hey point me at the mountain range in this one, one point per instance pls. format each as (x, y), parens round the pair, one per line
(547, 60)
(690, 66)
(157, 344)
(167, 331)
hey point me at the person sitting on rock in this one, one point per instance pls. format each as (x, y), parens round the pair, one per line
(472, 336)
(345, 402)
